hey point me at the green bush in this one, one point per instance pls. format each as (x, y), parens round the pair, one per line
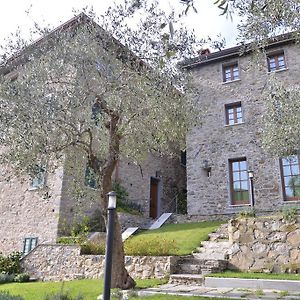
(247, 213)
(92, 248)
(290, 214)
(156, 247)
(4, 295)
(62, 296)
(5, 278)
(22, 277)
(10, 264)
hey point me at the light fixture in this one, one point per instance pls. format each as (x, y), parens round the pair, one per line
(112, 200)
(250, 174)
(206, 167)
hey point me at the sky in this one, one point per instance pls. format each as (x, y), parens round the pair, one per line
(12, 15)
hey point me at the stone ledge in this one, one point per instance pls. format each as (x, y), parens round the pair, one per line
(271, 284)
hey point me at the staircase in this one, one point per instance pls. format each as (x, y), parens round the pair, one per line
(210, 258)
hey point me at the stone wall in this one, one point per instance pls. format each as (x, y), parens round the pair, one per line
(264, 245)
(52, 262)
(217, 142)
(28, 212)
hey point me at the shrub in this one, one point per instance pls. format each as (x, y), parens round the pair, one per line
(22, 277)
(247, 213)
(5, 278)
(62, 296)
(155, 246)
(289, 214)
(11, 263)
(4, 295)
(92, 248)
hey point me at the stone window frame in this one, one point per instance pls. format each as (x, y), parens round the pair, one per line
(234, 106)
(292, 173)
(29, 244)
(231, 67)
(276, 55)
(231, 180)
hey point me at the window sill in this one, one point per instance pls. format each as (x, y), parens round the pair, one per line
(239, 205)
(231, 81)
(286, 201)
(35, 188)
(278, 71)
(235, 124)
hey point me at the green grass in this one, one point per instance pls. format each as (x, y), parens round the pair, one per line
(88, 288)
(187, 238)
(232, 274)
(172, 297)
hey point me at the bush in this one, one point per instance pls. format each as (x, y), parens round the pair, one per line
(156, 247)
(22, 277)
(247, 213)
(10, 264)
(68, 240)
(92, 248)
(290, 214)
(62, 296)
(6, 296)
(5, 278)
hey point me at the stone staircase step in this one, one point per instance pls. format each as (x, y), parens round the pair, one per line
(186, 279)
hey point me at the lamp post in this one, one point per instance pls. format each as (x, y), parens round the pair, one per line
(112, 203)
(251, 175)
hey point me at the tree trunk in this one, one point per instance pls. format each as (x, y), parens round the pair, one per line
(120, 277)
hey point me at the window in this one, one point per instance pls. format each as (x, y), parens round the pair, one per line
(276, 61)
(234, 113)
(29, 244)
(239, 187)
(90, 179)
(231, 72)
(183, 158)
(96, 113)
(290, 174)
(37, 177)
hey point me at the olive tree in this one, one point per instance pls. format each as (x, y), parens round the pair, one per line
(79, 89)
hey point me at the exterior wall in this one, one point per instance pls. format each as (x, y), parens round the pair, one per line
(136, 179)
(63, 262)
(217, 143)
(264, 245)
(28, 213)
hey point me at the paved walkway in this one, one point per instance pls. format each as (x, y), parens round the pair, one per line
(233, 293)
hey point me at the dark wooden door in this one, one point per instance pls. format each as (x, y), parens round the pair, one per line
(153, 197)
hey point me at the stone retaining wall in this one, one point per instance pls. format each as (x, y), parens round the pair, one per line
(265, 245)
(52, 262)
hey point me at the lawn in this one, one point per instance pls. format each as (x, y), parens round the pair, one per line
(170, 239)
(232, 274)
(88, 288)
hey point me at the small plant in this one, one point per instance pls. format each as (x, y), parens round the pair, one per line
(92, 248)
(289, 214)
(259, 292)
(283, 294)
(68, 240)
(23, 277)
(10, 264)
(5, 278)
(62, 296)
(156, 246)
(4, 295)
(247, 213)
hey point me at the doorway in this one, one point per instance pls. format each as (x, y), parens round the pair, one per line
(154, 197)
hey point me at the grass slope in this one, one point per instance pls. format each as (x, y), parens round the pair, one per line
(187, 237)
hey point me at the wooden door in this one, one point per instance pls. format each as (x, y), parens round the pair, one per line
(153, 197)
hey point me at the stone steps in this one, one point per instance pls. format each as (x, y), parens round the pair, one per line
(186, 279)
(213, 250)
(192, 265)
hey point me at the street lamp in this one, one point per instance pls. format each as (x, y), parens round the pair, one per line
(112, 203)
(251, 175)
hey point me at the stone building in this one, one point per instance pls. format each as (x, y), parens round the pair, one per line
(229, 85)
(37, 210)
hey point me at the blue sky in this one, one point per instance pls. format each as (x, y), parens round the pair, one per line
(206, 22)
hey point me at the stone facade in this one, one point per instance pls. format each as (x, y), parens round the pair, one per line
(218, 143)
(266, 244)
(49, 262)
